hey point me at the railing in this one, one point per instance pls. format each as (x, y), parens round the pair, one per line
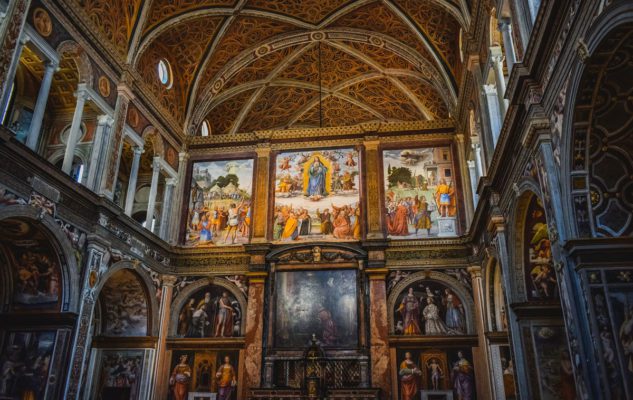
(338, 374)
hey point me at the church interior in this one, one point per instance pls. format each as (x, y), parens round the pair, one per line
(316, 199)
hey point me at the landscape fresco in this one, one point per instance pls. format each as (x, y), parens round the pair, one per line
(319, 302)
(419, 188)
(317, 196)
(219, 211)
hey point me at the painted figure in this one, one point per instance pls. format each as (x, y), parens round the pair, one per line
(316, 180)
(433, 324)
(410, 310)
(436, 373)
(398, 225)
(224, 317)
(185, 317)
(463, 381)
(409, 378)
(422, 216)
(454, 312)
(227, 380)
(444, 198)
(328, 335)
(180, 379)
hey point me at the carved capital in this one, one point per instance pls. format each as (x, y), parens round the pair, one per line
(475, 271)
(168, 280)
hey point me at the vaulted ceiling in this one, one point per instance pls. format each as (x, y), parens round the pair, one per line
(245, 65)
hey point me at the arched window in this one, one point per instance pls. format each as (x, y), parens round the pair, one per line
(165, 75)
(205, 129)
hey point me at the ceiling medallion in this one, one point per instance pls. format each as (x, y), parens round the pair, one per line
(42, 22)
(104, 86)
(217, 85)
(317, 36)
(262, 50)
(376, 41)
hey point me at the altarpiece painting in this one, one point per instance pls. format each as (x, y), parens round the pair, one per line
(323, 303)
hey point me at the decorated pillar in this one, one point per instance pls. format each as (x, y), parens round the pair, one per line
(115, 146)
(254, 331)
(97, 157)
(494, 113)
(167, 206)
(482, 352)
(379, 331)
(96, 265)
(372, 188)
(478, 159)
(40, 106)
(161, 360)
(153, 191)
(586, 362)
(505, 27)
(472, 171)
(75, 130)
(131, 185)
(262, 183)
(179, 197)
(497, 65)
(463, 170)
(11, 28)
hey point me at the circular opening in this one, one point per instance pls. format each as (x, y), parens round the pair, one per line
(205, 128)
(164, 73)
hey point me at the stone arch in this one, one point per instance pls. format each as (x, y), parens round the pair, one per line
(595, 188)
(438, 277)
(69, 267)
(146, 283)
(84, 66)
(151, 136)
(179, 302)
(494, 301)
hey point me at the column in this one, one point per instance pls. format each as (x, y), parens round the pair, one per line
(179, 197)
(505, 27)
(161, 360)
(478, 159)
(260, 208)
(95, 252)
(116, 141)
(131, 186)
(75, 130)
(167, 206)
(97, 159)
(153, 191)
(40, 106)
(379, 331)
(481, 354)
(372, 190)
(253, 332)
(10, 31)
(497, 65)
(463, 173)
(474, 180)
(493, 112)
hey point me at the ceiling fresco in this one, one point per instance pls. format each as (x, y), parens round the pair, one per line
(247, 65)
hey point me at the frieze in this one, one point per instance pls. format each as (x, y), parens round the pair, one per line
(316, 255)
(212, 264)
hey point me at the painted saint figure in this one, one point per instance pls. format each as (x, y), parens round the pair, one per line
(454, 312)
(316, 180)
(227, 380)
(463, 378)
(410, 310)
(180, 378)
(224, 317)
(444, 198)
(409, 378)
(436, 373)
(433, 324)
